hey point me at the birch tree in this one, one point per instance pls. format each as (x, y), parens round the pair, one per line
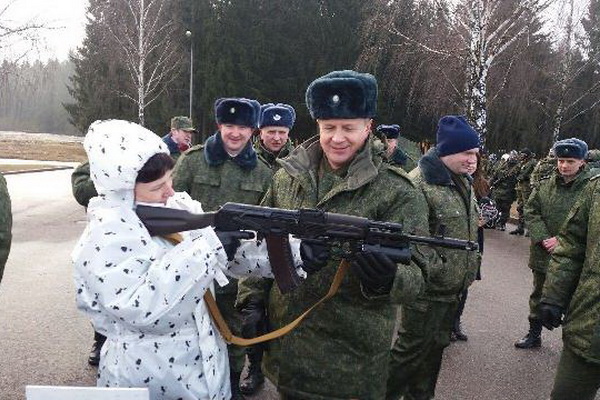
(577, 80)
(144, 38)
(477, 33)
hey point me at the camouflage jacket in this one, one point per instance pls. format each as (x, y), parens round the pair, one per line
(451, 203)
(546, 211)
(504, 182)
(574, 275)
(215, 185)
(82, 185)
(543, 169)
(341, 350)
(525, 170)
(5, 224)
(268, 157)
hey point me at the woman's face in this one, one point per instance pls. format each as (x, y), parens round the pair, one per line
(157, 191)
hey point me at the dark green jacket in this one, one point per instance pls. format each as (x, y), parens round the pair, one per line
(451, 203)
(573, 277)
(82, 185)
(341, 350)
(547, 209)
(543, 169)
(504, 182)
(5, 224)
(268, 157)
(215, 185)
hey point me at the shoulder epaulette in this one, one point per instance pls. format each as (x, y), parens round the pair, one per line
(195, 148)
(596, 176)
(400, 172)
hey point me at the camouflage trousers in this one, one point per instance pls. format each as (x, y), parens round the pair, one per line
(226, 303)
(575, 378)
(539, 278)
(416, 356)
(504, 208)
(523, 192)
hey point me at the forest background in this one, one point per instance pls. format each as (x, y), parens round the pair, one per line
(518, 82)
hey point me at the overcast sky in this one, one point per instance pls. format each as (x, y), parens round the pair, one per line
(67, 16)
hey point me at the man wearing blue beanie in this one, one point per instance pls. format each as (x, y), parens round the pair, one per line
(341, 350)
(443, 175)
(275, 123)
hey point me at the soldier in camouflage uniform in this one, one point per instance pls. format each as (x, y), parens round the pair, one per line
(543, 169)
(545, 212)
(179, 137)
(394, 154)
(503, 185)
(5, 224)
(443, 176)
(226, 168)
(593, 159)
(338, 171)
(83, 190)
(527, 163)
(275, 123)
(571, 289)
(273, 142)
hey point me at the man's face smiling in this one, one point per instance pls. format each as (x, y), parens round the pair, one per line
(341, 139)
(234, 137)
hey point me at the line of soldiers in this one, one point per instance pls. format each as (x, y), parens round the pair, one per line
(342, 350)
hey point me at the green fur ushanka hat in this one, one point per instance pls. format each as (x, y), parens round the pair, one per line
(342, 95)
(237, 111)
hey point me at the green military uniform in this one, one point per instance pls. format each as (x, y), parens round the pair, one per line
(545, 213)
(5, 224)
(341, 350)
(524, 188)
(504, 192)
(427, 323)
(214, 185)
(543, 169)
(593, 159)
(82, 185)
(572, 284)
(268, 157)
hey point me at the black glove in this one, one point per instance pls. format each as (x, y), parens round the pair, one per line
(314, 256)
(376, 271)
(551, 315)
(253, 319)
(230, 241)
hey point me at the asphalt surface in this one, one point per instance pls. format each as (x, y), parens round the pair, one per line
(44, 340)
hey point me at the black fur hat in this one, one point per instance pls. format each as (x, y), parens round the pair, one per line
(237, 111)
(277, 115)
(390, 131)
(342, 95)
(571, 148)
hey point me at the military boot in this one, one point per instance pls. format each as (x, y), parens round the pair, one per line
(234, 380)
(457, 333)
(519, 231)
(533, 339)
(255, 378)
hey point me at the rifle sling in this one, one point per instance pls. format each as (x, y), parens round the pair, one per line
(224, 328)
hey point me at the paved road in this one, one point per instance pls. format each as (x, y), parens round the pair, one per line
(44, 340)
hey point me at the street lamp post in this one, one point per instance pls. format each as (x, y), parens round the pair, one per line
(189, 35)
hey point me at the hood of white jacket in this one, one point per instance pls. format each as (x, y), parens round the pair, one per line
(117, 150)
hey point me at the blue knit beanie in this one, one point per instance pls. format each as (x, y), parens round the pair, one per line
(390, 131)
(455, 135)
(571, 148)
(342, 95)
(277, 115)
(237, 111)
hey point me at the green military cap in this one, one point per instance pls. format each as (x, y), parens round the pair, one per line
(182, 122)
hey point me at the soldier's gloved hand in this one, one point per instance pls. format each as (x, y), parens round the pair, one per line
(230, 241)
(253, 315)
(376, 271)
(551, 315)
(314, 256)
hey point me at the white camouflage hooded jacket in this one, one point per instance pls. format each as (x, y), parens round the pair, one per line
(144, 293)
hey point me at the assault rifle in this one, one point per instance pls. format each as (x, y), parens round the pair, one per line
(354, 233)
